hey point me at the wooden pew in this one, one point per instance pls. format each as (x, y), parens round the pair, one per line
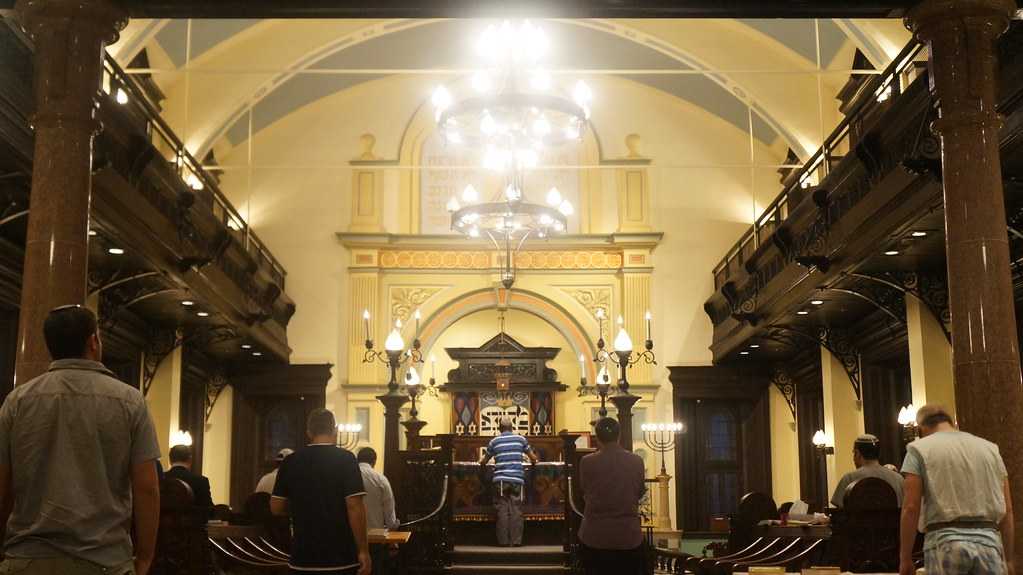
(866, 529)
(182, 545)
(244, 550)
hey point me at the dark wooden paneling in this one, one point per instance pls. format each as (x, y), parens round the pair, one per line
(886, 388)
(701, 395)
(8, 349)
(813, 483)
(270, 409)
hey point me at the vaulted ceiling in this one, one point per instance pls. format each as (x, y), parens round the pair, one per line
(746, 72)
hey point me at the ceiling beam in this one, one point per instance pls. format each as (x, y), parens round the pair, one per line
(504, 9)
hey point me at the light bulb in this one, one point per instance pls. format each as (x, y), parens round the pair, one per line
(454, 137)
(487, 124)
(602, 377)
(441, 98)
(474, 232)
(470, 195)
(546, 220)
(819, 439)
(453, 205)
(488, 46)
(566, 208)
(571, 132)
(541, 127)
(512, 193)
(600, 313)
(582, 94)
(540, 81)
(481, 82)
(622, 341)
(121, 96)
(553, 197)
(412, 376)
(558, 226)
(394, 341)
(194, 182)
(181, 438)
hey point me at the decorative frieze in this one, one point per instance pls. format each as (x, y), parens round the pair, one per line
(481, 260)
(405, 300)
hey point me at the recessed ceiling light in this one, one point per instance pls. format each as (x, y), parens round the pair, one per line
(202, 313)
(257, 353)
(754, 345)
(918, 234)
(187, 302)
(802, 312)
(115, 251)
(246, 346)
(743, 353)
(816, 302)
(892, 253)
(93, 232)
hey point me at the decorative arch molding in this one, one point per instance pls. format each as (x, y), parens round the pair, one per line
(611, 27)
(530, 302)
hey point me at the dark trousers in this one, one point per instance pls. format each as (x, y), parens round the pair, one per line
(612, 561)
(381, 557)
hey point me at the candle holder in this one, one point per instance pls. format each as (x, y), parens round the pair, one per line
(394, 355)
(348, 435)
(623, 355)
(662, 438)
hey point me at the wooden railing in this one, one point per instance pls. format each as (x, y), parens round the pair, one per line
(878, 93)
(126, 90)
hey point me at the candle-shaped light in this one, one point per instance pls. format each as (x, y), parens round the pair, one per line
(819, 439)
(649, 316)
(417, 315)
(600, 323)
(582, 366)
(394, 341)
(433, 366)
(623, 343)
(602, 377)
(365, 322)
(412, 376)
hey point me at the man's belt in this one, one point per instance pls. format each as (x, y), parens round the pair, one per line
(962, 525)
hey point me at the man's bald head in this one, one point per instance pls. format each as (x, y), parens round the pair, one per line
(930, 417)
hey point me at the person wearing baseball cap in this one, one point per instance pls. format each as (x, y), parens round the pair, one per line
(866, 450)
(267, 482)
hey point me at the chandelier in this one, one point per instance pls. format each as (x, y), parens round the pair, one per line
(512, 113)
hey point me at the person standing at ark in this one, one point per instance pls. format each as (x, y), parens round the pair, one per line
(507, 450)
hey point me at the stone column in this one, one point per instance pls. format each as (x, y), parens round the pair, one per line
(985, 355)
(69, 37)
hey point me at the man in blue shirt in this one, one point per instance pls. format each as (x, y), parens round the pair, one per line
(509, 480)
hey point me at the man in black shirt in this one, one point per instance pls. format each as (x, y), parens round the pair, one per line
(321, 486)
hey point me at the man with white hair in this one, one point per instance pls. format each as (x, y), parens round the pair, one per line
(509, 480)
(959, 483)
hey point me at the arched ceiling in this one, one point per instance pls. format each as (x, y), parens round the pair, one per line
(687, 59)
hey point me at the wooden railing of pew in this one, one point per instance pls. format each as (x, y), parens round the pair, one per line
(862, 537)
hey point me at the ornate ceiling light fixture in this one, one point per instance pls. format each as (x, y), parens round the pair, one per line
(511, 113)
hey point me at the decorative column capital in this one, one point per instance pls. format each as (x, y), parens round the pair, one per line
(70, 37)
(102, 17)
(961, 34)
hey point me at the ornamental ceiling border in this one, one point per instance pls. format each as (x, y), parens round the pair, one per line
(488, 260)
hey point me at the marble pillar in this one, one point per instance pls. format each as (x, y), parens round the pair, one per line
(392, 432)
(985, 355)
(624, 403)
(69, 37)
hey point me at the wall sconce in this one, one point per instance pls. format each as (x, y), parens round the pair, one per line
(907, 419)
(820, 441)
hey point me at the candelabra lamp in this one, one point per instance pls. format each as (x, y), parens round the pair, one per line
(907, 419)
(821, 443)
(662, 438)
(394, 355)
(348, 435)
(623, 357)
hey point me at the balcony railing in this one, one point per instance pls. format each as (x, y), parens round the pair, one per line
(877, 94)
(124, 88)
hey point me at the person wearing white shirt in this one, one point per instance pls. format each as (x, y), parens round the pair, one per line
(267, 482)
(379, 505)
